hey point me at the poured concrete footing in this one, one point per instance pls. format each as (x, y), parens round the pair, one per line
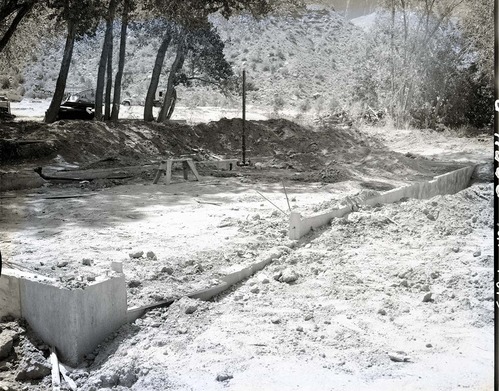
(209, 293)
(74, 321)
(449, 183)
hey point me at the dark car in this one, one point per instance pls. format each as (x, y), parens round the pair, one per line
(78, 106)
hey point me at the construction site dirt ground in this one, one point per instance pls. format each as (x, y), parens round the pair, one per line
(350, 317)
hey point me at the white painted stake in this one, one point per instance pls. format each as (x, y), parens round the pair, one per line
(56, 379)
(64, 373)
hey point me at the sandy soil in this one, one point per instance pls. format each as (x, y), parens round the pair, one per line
(34, 110)
(195, 230)
(357, 297)
(432, 144)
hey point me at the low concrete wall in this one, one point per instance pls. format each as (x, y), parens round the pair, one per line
(236, 277)
(74, 321)
(300, 226)
(449, 183)
(10, 290)
(10, 294)
(208, 293)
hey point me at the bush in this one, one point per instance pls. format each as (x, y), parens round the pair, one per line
(5, 82)
(305, 106)
(278, 103)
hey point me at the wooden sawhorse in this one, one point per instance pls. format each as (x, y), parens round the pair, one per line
(165, 167)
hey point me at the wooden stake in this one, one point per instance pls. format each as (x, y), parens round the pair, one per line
(64, 373)
(56, 378)
(285, 192)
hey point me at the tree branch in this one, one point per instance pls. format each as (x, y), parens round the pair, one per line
(8, 9)
(13, 26)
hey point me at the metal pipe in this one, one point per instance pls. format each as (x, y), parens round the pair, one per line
(244, 117)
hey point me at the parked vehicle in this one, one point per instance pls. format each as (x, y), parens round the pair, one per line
(78, 106)
(5, 113)
(159, 98)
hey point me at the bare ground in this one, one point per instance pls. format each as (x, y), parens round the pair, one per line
(360, 282)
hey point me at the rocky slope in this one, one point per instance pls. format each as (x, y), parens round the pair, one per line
(303, 61)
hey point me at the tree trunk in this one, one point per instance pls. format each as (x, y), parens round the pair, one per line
(109, 80)
(156, 72)
(13, 26)
(172, 105)
(392, 58)
(405, 17)
(60, 87)
(121, 64)
(177, 65)
(101, 73)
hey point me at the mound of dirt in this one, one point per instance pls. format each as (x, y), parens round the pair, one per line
(326, 154)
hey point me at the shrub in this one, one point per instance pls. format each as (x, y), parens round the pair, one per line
(278, 103)
(305, 106)
(5, 82)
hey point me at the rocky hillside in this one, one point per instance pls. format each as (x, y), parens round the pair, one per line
(303, 61)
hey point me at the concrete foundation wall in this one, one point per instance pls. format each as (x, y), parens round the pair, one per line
(449, 183)
(10, 295)
(101, 309)
(300, 226)
(208, 293)
(74, 321)
(50, 311)
(236, 277)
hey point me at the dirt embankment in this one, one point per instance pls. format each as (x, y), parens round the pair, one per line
(327, 154)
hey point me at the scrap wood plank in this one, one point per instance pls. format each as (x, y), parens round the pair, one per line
(56, 379)
(84, 176)
(58, 197)
(209, 203)
(66, 377)
(25, 141)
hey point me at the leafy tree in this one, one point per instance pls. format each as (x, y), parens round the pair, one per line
(22, 42)
(477, 22)
(12, 12)
(105, 61)
(127, 7)
(417, 64)
(190, 15)
(171, 94)
(79, 17)
(202, 51)
(156, 72)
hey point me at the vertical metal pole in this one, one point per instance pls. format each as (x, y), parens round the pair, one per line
(244, 117)
(496, 200)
